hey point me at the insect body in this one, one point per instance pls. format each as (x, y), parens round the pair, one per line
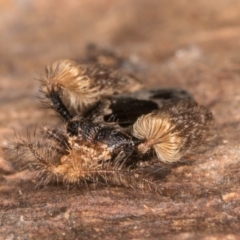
(109, 134)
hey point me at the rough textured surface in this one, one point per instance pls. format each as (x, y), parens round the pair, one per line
(192, 45)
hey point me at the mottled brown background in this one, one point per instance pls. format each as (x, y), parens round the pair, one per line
(194, 45)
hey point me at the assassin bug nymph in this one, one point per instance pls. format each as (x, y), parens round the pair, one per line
(112, 135)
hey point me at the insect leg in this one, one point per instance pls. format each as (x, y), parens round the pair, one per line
(52, 92)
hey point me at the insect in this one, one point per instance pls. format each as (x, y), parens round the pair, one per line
(114, 132)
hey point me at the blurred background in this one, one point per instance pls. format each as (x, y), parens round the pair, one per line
(41, 31)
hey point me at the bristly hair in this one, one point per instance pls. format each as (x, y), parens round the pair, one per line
(84, 85)
(174, 130)
(52, 160)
